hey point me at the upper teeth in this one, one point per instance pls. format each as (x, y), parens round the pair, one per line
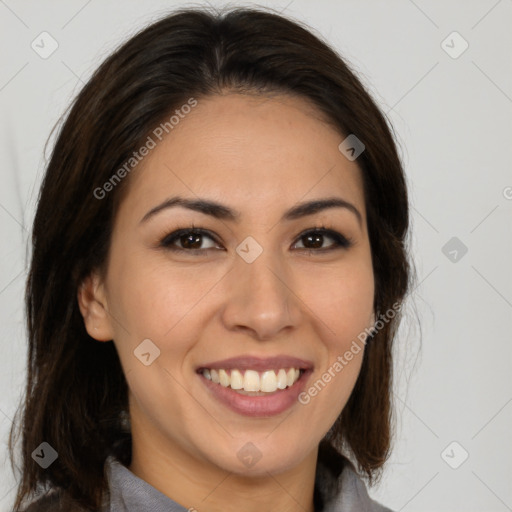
(251, 380)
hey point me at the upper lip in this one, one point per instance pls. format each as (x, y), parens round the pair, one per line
(259, 363)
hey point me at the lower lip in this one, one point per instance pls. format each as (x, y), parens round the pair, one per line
(257, 406)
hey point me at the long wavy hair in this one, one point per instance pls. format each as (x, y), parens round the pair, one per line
(76, 395)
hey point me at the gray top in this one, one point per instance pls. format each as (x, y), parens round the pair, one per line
(130, 493)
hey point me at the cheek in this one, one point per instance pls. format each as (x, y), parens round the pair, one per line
(153, 297)
(347, 314)
(164, 301)
(342, 297)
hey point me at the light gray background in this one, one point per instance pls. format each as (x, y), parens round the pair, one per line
(453, 117)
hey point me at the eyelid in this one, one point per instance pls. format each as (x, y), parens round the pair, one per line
(341, 241)
(176, 234)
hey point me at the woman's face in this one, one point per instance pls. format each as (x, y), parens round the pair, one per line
(252, 293)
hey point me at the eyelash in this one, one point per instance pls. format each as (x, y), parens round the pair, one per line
(340, 241)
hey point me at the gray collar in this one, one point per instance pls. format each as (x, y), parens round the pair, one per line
(129, 493)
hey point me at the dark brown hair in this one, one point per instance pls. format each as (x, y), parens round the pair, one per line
(76, 392)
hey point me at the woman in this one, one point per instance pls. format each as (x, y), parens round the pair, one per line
(250, 373)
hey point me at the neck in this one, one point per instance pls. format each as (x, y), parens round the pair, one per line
(202, 486)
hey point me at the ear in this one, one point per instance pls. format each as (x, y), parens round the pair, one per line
(94, 308)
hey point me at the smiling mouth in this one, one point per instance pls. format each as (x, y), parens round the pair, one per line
(252, 382)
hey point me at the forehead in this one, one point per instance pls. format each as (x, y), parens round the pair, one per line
(250, 152)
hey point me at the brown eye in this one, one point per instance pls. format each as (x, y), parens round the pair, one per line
(191, 240)
(187, 240)
(314, 239)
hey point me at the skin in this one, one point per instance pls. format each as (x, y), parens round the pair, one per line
(260, 156)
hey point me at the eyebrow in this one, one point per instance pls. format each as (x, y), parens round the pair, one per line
(220, 211)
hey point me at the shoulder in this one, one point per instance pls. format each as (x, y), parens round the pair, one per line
(341, 486)
(44, 504)
(355, 492)
(56, 501)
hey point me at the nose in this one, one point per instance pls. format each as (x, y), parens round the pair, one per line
(261, 299)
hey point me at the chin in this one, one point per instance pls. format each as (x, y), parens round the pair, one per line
(250, 456)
